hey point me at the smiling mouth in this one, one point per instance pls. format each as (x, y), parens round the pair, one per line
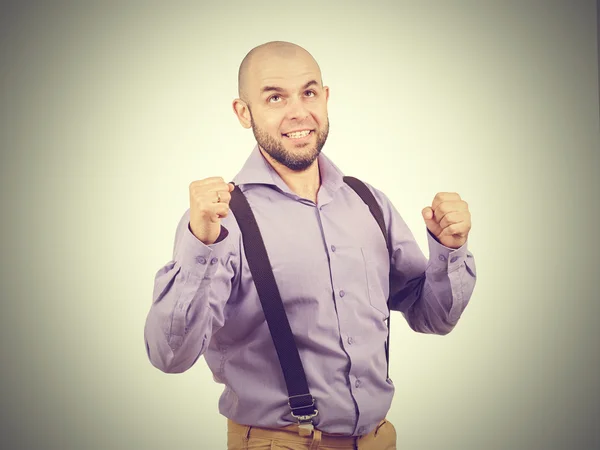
(298, 134)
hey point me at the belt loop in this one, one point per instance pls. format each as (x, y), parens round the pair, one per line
(246, 436)
(316, 440)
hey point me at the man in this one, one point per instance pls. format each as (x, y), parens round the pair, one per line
(331, 265)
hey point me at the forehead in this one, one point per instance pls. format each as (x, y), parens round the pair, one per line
(287, 72)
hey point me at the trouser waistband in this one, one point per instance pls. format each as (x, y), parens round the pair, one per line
(290, 433)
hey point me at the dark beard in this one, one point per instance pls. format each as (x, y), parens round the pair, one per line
(277, 151)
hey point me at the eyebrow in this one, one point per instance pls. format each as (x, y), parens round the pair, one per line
(279, 89)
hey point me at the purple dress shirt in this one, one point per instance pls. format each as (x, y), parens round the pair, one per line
(331, 265)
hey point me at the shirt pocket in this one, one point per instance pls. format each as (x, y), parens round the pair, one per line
(377, 276)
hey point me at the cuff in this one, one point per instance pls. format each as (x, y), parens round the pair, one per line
(443, 257)
(198, 258)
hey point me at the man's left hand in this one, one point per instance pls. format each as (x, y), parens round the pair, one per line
(448, 219)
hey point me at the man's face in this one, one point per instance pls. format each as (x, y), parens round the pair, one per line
(288, 109)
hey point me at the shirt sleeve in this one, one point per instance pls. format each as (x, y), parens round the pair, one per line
(431, 293)
(189, 297)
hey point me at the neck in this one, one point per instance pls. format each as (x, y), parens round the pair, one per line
(305, 183)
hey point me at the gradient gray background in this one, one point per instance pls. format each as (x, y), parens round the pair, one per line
(109, 111)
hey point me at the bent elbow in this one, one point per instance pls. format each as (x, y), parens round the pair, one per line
(438, 325)
(173, 360)
(168, 364)
(169, 368)
(444, 330)
(444, 326)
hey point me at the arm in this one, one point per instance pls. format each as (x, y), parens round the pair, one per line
(190, 293)
(433, 300)
(431, 294)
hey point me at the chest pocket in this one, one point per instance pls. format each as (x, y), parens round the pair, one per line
(377, 275)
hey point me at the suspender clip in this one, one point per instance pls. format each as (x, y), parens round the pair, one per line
(305, 425)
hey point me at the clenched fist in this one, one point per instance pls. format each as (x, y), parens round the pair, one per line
(448, 218)
(209, 203)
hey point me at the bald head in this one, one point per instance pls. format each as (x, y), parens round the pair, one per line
(283, 100)
(265, 56)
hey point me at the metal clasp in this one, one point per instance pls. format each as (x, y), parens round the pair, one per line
(305, 425)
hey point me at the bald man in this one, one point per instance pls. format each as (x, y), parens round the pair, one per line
(331, 265)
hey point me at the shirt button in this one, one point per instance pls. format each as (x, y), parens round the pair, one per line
(442, 258)
(357, 383)
(454, 259)
(333, 248)
(201, 259)
(214, 260)
(350, 340)
(342, 293)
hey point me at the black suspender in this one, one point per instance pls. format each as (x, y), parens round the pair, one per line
(300, 400)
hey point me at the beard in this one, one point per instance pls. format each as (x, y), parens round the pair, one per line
(296, 161)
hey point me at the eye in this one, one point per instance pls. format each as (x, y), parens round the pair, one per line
(274, 98)
(310, 93)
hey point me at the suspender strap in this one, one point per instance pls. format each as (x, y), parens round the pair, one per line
(300, 400)
(367, 196)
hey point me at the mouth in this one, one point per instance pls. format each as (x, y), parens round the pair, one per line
(298, 135)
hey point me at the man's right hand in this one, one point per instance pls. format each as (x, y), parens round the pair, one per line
(209, 203)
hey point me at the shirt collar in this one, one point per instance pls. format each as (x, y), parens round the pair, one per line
(257, 170)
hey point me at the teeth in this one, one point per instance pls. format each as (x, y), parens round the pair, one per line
(298, 134)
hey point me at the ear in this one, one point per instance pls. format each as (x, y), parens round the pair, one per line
(326, 89)
(240, 108)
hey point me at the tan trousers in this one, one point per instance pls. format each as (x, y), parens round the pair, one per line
(242, 437)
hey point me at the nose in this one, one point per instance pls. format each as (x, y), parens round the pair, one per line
(297, 110)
